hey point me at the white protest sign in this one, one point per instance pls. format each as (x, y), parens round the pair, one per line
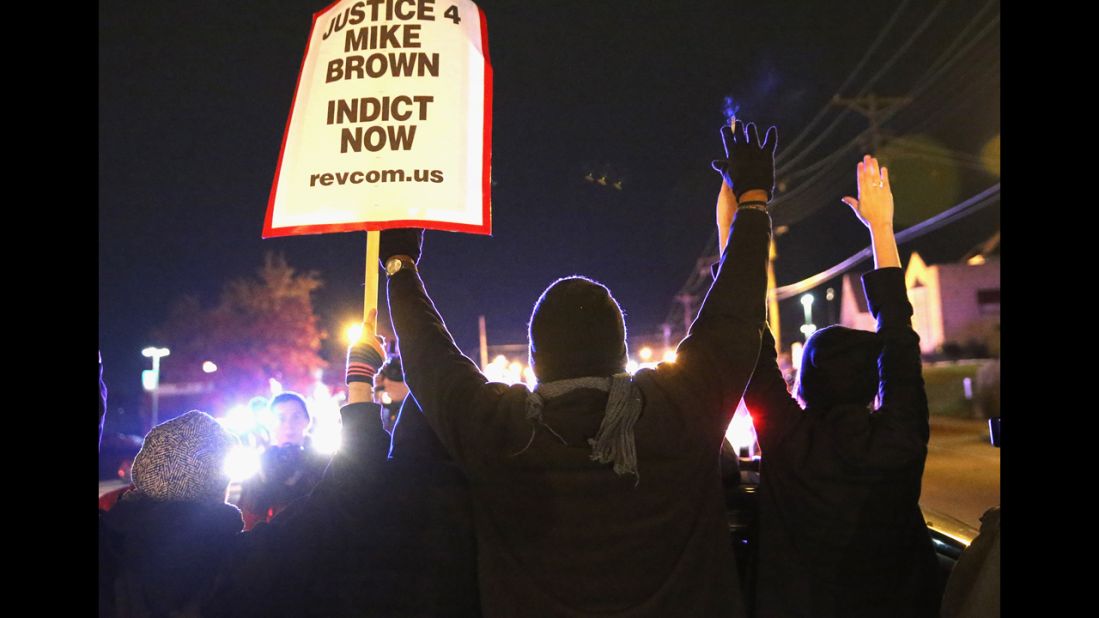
(391, 123)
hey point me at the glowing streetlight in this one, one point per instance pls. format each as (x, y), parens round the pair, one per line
(156, 354)
(669, 356)
(808, 328)
(153, 382)
(209, 367)
(352, 332)
(645, 353)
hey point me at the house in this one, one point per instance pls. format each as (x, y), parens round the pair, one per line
(954, 303)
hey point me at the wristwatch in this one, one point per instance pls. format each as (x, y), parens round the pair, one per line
(398, 263)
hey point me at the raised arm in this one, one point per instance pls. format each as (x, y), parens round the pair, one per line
(899, 430)
(772, 407)
(716, 358)
(767, 397)
(364, 357)
(446, 384)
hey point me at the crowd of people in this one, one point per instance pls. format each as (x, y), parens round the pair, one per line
(599, 492)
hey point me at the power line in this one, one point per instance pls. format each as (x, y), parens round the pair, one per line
(959, 211)
(866, 86)
(964, 34)
(942, 64)
(822, 183)
(858, 67)
(873, 107)
(964, 209)
(789, 210)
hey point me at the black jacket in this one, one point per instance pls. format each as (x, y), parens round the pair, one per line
(841, 532)
(562, 535)
(162, 558)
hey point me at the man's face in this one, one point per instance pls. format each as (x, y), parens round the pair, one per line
(388, 391)
(293, 421)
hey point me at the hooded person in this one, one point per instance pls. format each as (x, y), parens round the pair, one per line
(598, 492)
(840, 529)
(839, 367)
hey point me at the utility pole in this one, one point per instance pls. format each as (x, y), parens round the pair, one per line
(872, 106)
(772, 298)
(482, 334)
(152, 383)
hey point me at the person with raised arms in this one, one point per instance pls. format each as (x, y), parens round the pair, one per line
(599, 492)
(840, 529)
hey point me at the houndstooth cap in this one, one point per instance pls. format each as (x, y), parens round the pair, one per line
(184, 459)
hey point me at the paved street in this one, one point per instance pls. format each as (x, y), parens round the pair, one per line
(962, 476)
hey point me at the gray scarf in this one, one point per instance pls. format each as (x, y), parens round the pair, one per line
(615, 440)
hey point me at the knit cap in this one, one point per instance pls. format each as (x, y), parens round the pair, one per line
(184, 459)
(839, 366)
(576, 330)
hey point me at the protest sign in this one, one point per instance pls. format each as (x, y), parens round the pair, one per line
(391, 122)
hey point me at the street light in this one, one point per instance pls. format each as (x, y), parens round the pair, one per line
(808, 328)
(154, 383)
(353, 332)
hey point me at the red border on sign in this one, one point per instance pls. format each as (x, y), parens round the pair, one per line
(486, 148)
(486, 176)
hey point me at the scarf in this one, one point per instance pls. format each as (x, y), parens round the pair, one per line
(614, 442)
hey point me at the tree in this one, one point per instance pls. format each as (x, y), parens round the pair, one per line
(261, 328)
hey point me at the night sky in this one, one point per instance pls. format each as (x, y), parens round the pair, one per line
(194, 97)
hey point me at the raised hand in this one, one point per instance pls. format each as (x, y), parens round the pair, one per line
(365, 356)
(750, 162)
(875, 209)
(875, 203)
